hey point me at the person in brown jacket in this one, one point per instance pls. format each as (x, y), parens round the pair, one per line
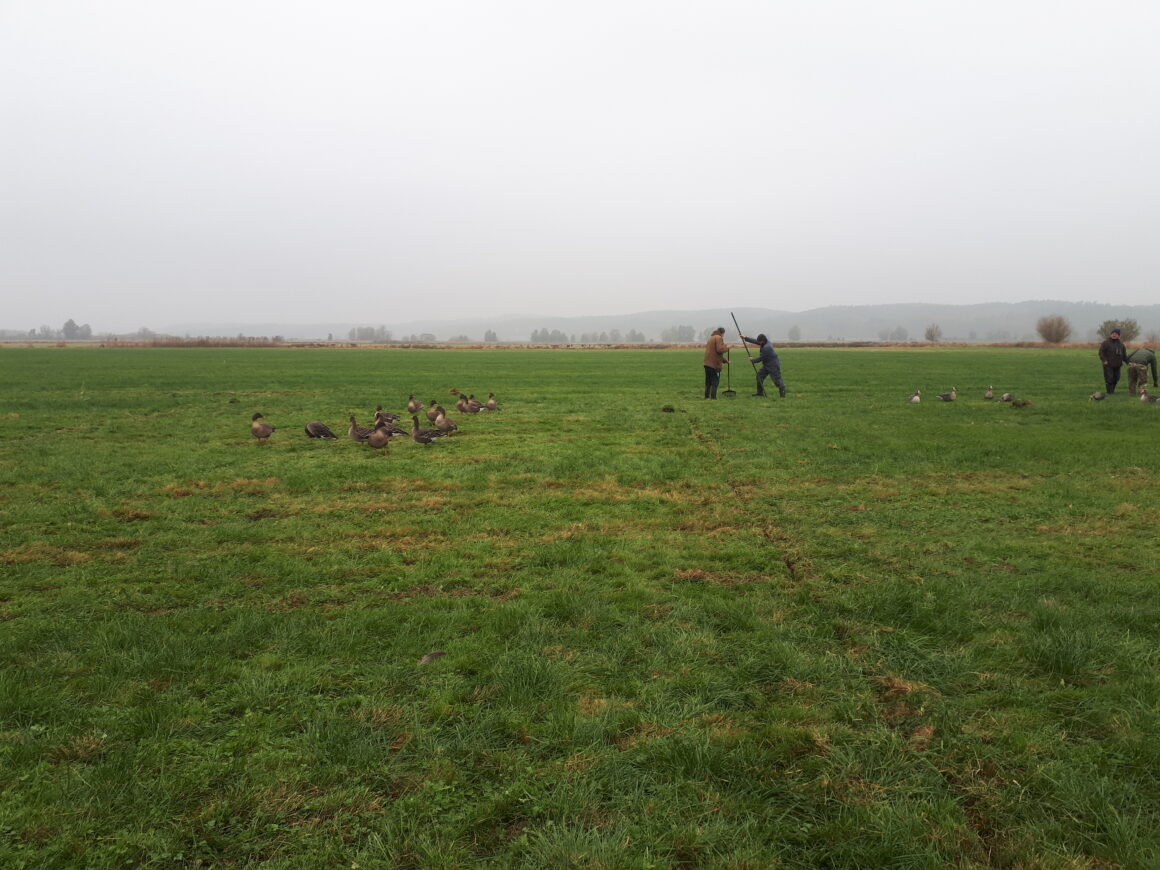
(715, 349)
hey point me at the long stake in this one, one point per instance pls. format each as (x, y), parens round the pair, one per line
(744, 343)
(729, 391)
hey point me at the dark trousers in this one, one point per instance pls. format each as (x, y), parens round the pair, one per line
(774, 373)
(712, 381)
(1111, 378)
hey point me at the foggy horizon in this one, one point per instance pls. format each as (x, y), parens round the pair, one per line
(390, 163)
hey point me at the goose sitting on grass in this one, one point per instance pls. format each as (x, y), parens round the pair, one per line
(261, 431)
(491, 404)
(990, 394)
(318, 429)
(414, 406)
(423, 436)
(1006, 397)
(357, 432)
(1097, 396)
(916, 397)
(948, 397)
(1144, 397)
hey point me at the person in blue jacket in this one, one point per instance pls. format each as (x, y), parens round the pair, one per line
(770, 364)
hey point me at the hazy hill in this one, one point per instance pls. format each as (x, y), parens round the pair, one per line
(997, 321)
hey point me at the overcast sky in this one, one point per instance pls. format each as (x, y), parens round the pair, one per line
(376, 162)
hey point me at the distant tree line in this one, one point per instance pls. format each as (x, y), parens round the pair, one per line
(70, 331)
(370, 333)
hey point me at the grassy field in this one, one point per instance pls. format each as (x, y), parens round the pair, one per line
(836, 630)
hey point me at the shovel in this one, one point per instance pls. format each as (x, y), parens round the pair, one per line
(729, 391)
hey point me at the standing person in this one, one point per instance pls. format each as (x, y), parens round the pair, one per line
(715, 349)
(1112, 355)
(1139, 361)
(770, 364)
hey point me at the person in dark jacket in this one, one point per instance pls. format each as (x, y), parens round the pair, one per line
(1139, 361)
(1112, 355)
(770, 364)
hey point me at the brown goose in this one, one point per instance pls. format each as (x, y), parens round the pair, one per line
(948, 397)
(491, 404)
(432, 410)
(1006, 397)
(357, 432)
(461, 404)
(318, 429)
(380, 436)
(916, 397)
(990, 394)
(386, 415)
(389, 424)
(1097, 396)
(444, 423)
(1144, 397)
(414, 406)
(261, 431)
(423, 436)
(474, 406)
(1021, 403)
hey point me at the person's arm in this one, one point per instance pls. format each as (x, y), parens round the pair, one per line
(1153, 363)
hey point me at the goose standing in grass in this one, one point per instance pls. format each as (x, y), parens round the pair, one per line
(461, 404)
(318, 429)
(990, 394)
(386, 415)
(388, 423)
(444, 423)
(474, 406)
(1097, 396)
(916, 397)
(423, 436)
(261, 431)
(948, 397)
(380, 436)
(357, 432)
(433, 410)
(414, 406)
(491, 404)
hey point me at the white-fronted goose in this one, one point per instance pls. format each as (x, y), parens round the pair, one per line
(1006, 397)
(474, 406)
(1097, 396)
(916, 397)
(948, 397)
(1144, 397)
(461, 404)
(491, 404)
(414, 406)
(432, 410)
(261, 431)
(318, 429)
(990, 394)
(423, 436)
(357, 432)
(444, 423)
(386, 415)
(392, 429)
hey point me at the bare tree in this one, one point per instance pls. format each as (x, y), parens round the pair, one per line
(1128, 327)
(933, 332)
(1054, 329)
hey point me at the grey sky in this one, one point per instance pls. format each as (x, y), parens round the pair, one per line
(377, 162)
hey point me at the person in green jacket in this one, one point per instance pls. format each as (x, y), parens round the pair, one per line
(1139, 361)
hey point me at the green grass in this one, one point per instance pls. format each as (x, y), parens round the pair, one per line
(836, 631)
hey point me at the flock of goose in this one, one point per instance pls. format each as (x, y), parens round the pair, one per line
(379, 435)
(1016, 402)
(989, 395)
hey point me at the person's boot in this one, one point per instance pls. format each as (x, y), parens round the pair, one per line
(713, 393)
(781, 391)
